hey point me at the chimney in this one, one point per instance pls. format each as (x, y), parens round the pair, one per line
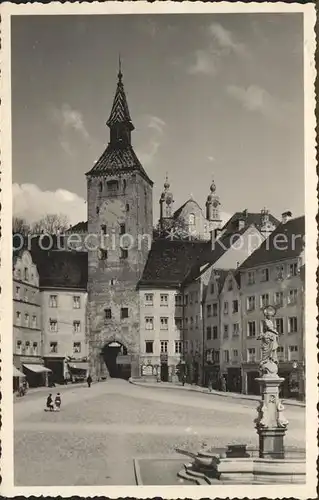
(285, 217)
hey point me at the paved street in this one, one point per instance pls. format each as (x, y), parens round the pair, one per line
(100, 430)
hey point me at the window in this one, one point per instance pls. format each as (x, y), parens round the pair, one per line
(35, 348)
(112, 186)
(124, 312)
(26, 274)
(235, 353)
(164, 346)
(178, 323)
(124, 253)
(235, 306)
(279, 299)
(226, 330)
(127, 207)
(251, 329)
(149, 299)
(53, 301)
(100, 187)
(251, 278)
(34, 321)
(26, 295)
(191, 219)
(19, 347)
(264, 300)
(235, 329)
(53, 347)
(225, 307)
(209, 311)
(215, 332)
(76, 347)
(216, 356)
(196, 297)
(53, 325)
(97, 210)
(149, 346)
(112, 281)
(27, 347)
(196, 321)
(215, 310)
(230, 285)
(149, 323)
(251, 354)
(293, 352)
(292, 297)
(178, 300)
(293, 269)
(18, 318)
(122, 229)
(279, 325)
(292, 324)
(185, 346)
(186, 300)
(281, 353)
(191, 297)
(279, 272)
(76, 302)
(212, 289)
(178, 346)
(164, 323)
(226, 356)
(265, 274)
(19, 274)
(102, 254)
(26, 319)
(208, 332)
(251, 303)
(76, 326)
(164, 299)
(192, 322)
(103, 228)
(124, 184)
(17, 292)
(108, 313)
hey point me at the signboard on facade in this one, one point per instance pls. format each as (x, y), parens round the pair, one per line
(31, 360)
(123, 360)
(164, 357)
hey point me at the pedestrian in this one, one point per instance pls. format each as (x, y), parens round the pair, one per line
(89, 380)
(183, 379)
(57, 401)
(50, 406)
(210, 383)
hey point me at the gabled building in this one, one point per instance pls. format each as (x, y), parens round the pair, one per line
(271, 276)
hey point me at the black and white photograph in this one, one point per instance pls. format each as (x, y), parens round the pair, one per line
(158, 250)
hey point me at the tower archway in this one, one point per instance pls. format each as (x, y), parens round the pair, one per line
(117, 361)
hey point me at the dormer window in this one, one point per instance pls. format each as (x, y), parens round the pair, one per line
(191, 219)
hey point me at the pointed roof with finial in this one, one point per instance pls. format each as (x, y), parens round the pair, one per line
(120, 112)
(119, 155)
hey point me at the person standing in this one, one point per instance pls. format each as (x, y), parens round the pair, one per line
(57, 401)
(89, 380)
(50, 403)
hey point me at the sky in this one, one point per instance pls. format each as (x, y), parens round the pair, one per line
(213, 96)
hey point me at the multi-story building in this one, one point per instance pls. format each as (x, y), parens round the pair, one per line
(119, 194)
(270, 276)
(27, 320)
(63, 282)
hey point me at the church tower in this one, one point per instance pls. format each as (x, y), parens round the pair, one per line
(120, 227)
(212, 209)
(166, 205)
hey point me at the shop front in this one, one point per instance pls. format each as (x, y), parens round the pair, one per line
(18, 377)
(37, 374)
(250, 371)
(78, 370)
(59, 370)
(292, 385)
(234, 379)
(212, 375)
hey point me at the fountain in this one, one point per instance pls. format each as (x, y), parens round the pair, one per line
(270, 463)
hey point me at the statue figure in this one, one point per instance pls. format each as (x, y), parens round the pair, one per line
(269, 346)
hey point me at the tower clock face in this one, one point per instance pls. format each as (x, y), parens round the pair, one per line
(112, 211)
(215, 204)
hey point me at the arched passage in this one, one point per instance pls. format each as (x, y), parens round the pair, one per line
(117, 360)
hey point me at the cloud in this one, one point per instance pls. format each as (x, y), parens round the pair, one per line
(31, 203)
(225, 39)
(204, 62)
(157, 124)
(253, 98)
(70, 123)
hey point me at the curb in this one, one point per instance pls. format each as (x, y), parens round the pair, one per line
(214, 393)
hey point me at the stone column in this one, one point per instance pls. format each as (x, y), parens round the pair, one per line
(271, 425)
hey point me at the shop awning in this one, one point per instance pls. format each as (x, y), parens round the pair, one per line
(17, 373)
(79, 366)
(37, 368)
